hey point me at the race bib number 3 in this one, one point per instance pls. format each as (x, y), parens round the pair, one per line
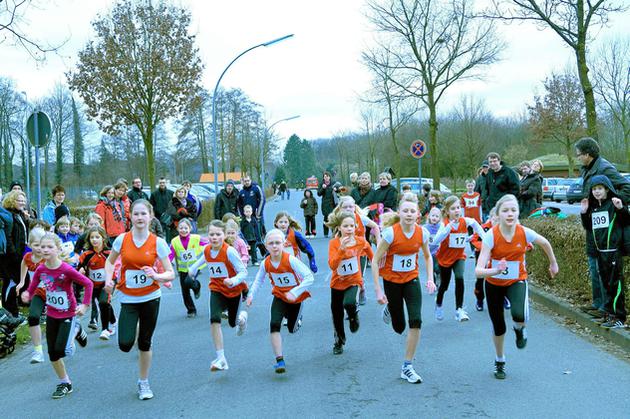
(457, 240)
(218, 270)
(97, 275)
(348, 267)
(600, 220)
(285, 279)
(510, 272)
(404, 263)
(136, 278)
(57, 300)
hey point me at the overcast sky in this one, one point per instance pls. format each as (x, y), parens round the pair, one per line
(317, 74)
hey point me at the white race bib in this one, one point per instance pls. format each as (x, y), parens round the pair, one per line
(510, 272)
(187, 256)
(285, 279)
(457, 240)
(470, 202)
(348, 267)
(136, 278)
(431, 238)
(218, 270)
(57, 300)
(600, 219)
(97, 275)
(404, 263)
(67, 248)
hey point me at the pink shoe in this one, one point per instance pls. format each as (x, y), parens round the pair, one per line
(168, 284)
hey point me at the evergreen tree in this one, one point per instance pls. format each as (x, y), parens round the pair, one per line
(79, 148)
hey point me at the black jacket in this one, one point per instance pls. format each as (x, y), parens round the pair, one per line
(364, 200)
(328, 197)
(135, 194)
(601, 166)
(160, 201)
(225, 203)
(530, 189)
(388, 196)
(500, 183)
(481, 186)
(16, 243)
(250, 230)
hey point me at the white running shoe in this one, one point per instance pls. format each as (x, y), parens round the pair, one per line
(461, 315)
(439, 313)
(409, 374)
(112, 328)
(144, 390)
(219, 364)
(104, 335)
(387, 317)
(241, 323)
(37, 357)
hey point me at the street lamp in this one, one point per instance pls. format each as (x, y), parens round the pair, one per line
(262, 149)
(214, 98)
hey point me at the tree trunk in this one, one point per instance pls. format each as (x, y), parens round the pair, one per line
(587, 87)
(433, 126)
(569, 150)
(148, 146)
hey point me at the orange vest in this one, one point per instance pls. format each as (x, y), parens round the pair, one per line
(514, 254)
(360, 230)
(221, 268)
(31, 267)
(448, 253)
(96, 266)
(401, 261)
(346, 265)
(291, 242)
(283, 279)
(133, 281)
(471, 204)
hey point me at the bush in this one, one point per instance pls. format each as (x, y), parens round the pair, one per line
(567, 237)
(207, 215)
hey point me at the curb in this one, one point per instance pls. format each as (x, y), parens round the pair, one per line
(619, 337)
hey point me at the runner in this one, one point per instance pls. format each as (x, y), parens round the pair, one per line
(227, 282)
(61, 326)
(451, 256)
(471, 201)
(290, 280)
(401, 241)
(294, 241)
(139, 286)
(344, 252)
(433, 226)
(504, 247)
(475, 241)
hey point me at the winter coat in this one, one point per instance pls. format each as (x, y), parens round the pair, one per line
(225, 203)
(6, 226)
(52, 213)
(328, 197)
(363, 199)
(160, 201)
(309, 205)
(504, 181)
(250, 230)
(134, 194)
(481, 186)
(252, 196)
(16, 243)
(112, 214)
(388, 196)
(530, 189)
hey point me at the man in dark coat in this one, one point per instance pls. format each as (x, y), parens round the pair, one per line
(160, 199)
(328, 193)
(530, 190)
(136, 191)
(481, 186)
(501, 180)
(253, 195)
(226, 201)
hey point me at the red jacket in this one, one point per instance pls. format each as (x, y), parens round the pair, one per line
(114, 222)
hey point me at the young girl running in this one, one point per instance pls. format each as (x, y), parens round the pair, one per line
(290, 281)
(433, 226)
(185, 250)
(233, 238)
(344, 252)
(61, 327)
(92, 264)
(227, 282)
(452, 238)
(30, 262)
(294, 242)
(399, 247)
(502, 263)
(475, 241)
(139, 287)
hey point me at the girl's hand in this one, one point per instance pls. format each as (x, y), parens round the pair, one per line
(149, 271)
(290, 296)
(502, 266)
(26, 297)
(345, 241)
(109, 286)
(248, 301)
(380, 297)
(553, 269)
(229, 282)
(431, 286)
(584, 205)
(81, 309)
(617, 203)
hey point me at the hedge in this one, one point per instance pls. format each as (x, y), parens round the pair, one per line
(567, 237)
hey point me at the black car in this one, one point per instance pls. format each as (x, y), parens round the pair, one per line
(574, 193)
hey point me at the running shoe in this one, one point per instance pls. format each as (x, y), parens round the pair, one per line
(37, 357)
(112, 328)
(197, 289)
(613, 323)
(521, 337)
(506, 303)
(409, 374)
(499, 370)
(280, 367)
(362, 297)
(387, 317)
(298, 325)
(219, 364)
(224, 314)
(439, 313)
(81, 337)
(479, 305)
(354, 323)
(104, 335)
(191, 315)
(93, 325)
(242, 323)
(604, 319)
(338, 348)
(461, 315)
(144, 390)
(62, 390)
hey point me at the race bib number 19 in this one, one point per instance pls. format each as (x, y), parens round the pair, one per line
(136, 278)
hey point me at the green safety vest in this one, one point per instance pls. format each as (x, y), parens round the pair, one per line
(187, 257)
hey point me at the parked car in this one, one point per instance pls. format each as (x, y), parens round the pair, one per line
(312, 183)
(574, 193)
(549, 185)
(560, 193)
(413, 182)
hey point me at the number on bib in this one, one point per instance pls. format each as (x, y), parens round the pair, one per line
(470, 202)
(97, 275)
(218, 270)
(67, 247)
(404, 263)
(511, 271)
(285, 279)
(600, 219)
(457, 240)
(57, 300)
(187, 256)
(348, 267)
(136, 278)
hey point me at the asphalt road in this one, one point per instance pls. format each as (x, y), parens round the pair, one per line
(558, 375)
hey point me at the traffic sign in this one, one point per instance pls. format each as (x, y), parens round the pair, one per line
(38, 129)
(418, 148)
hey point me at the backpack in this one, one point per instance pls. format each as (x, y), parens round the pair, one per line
(6, 226)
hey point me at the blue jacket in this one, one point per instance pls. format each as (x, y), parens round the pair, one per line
(253, 196)
(6, 225)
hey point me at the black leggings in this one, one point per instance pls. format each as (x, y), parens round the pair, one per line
(281, 309)
(410, 293)
(310, 224)
(186, 293)
(35, 310)
(59, 337)
(104, 307)
(131, 314)
(219, 302)
(517, 294)
(340, 300)
(457, 269)
(479, 293)
(9, 273)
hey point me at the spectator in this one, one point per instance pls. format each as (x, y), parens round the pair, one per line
(251, 194)
(15, 203)
(386, 194)
(226, 201)
(537, 167)
(120, 191)
(501, 180)
(181, 207)
(160, 200)
(56, 209)
(327, 192)
(481, 186)
(363, 194)
(194, 199)
(433, 201)
(587, 153)
(136, 191)
(283, 189)
(17, 186)
(354, 179)
(530, 189)
(309, 205)
(111, 212)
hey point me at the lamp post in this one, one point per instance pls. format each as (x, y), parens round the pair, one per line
(28, 159)
(262, 149)
(214, 98)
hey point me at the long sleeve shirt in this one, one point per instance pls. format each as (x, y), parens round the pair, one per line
(235, 260)
(298, 267)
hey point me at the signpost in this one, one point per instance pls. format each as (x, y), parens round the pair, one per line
(418, 149)
(38, 131)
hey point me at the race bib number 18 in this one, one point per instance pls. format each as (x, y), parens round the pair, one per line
(404, 263)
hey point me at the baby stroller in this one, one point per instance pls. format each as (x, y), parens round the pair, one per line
(8, 337)
(550, 212)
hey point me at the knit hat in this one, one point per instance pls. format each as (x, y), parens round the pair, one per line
(229, 182)
(15, 183)
(485, 164)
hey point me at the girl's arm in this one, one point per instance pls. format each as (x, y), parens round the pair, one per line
(192, 271)
(26, 295)
(442, 233)
(481, 271)
(428, 263)
(85, 282)
(109, 270)
(237, 263)
(471, 222)
(306, 275)
(23, 273)
(260, 276)
(381, 250)
(335, 254)
(376, 231)
(167, 275)
(306, 247)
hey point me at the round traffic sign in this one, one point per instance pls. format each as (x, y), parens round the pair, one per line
(41, 137)
(418, 148)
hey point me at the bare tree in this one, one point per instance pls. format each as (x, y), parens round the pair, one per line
(433, 44)
(571, 21)
(474, 119)
(58, 106)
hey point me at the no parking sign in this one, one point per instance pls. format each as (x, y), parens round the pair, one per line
(418, 149)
